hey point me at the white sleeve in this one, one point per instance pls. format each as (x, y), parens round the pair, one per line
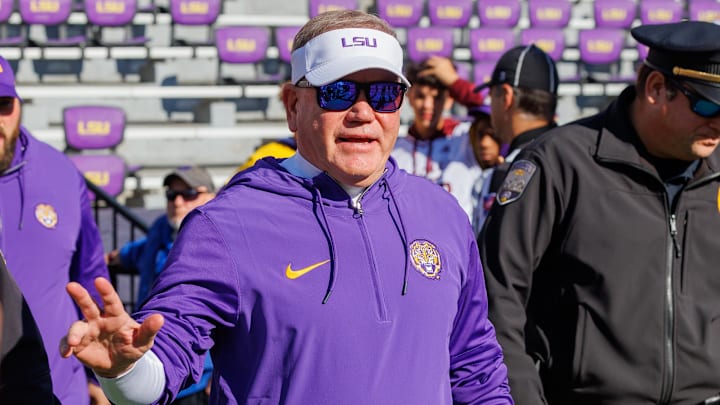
(142, 384)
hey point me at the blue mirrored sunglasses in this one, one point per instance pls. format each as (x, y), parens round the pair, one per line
(384, 97)
(698, 104)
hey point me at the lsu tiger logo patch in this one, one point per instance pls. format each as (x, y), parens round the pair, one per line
(46, 215)
(426, 259)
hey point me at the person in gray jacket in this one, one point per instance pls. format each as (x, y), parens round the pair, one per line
(601, 250)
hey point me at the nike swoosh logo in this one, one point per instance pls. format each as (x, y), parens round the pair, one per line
(293, 274)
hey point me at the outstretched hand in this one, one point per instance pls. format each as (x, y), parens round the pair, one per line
(110, 342)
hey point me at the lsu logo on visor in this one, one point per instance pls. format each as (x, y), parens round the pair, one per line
(426, 258)
(515, 182)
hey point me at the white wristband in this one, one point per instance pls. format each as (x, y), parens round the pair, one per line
(142, 384)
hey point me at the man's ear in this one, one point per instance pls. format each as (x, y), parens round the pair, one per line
(508, 96)
(655, 86)
(288, 95)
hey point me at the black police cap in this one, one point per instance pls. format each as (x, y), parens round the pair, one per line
(688, 50)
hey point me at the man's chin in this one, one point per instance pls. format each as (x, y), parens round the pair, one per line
(174, 223)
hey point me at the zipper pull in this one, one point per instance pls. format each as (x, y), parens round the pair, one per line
(673, 234)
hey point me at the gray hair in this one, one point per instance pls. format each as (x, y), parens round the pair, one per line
(337, 19)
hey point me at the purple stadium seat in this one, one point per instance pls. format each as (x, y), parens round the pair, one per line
(105, 171)
(400, 13)
(599, 46)
(425, 42)
(10, 34)
(549, 13)
(93, 127)
(284, 37)
(600, 50)
(498, 13)
(96, 128)
(321, 6)
(660, 11)
(550, 40)
(488, 44)
(242, 44)
(245, 45)
(53, 14)
(704, 10)
(193, 13)
(614, 13)
(111, 14)
(6, 9)
(450, 13)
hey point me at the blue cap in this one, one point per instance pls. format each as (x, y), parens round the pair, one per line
(687, 50)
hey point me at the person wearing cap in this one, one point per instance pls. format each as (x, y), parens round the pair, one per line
(437, 145)
(601, 251)
(523, 98)
(47, 233)
(323, 278)
(486, 146)
(186, 188)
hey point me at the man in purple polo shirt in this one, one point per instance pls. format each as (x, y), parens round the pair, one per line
(330, 277)
(47, 233)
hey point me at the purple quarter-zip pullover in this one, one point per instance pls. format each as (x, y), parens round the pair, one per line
(49, 238)
(304, 299)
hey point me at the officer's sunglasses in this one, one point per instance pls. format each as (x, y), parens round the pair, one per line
(384, 97)
(698, 103)
(187, 195)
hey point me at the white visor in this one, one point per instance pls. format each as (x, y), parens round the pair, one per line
(338, 53)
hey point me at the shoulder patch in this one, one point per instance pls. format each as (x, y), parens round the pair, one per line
(515, 181)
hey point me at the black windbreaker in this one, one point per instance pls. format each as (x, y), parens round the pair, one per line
(591, 276)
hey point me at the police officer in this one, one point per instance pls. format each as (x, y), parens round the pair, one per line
(602, 250)
(523, 98)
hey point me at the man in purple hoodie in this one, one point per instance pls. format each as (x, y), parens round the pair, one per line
(331, 277)
(47, 233)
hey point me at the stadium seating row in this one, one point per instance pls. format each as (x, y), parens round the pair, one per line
(101, 14)
(589, 36)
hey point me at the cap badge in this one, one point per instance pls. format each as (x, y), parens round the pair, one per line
(515, 182)
(46, 215)
(426, 258)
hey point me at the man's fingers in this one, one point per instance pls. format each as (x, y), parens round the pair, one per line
(84, 301)
(147, 331)
(111, 300)
(73, 338)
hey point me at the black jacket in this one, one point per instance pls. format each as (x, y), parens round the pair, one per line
(24, 370)
(591, 275)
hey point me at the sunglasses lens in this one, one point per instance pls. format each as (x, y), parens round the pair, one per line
(705, 108)
(341, 95)
(187, 195)
(337, 96)
(386, 97)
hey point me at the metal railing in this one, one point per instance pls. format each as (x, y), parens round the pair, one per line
(124, 226)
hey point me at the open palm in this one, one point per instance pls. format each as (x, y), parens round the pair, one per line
(109, 342)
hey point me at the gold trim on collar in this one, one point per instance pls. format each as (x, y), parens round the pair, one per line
(696, 74)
